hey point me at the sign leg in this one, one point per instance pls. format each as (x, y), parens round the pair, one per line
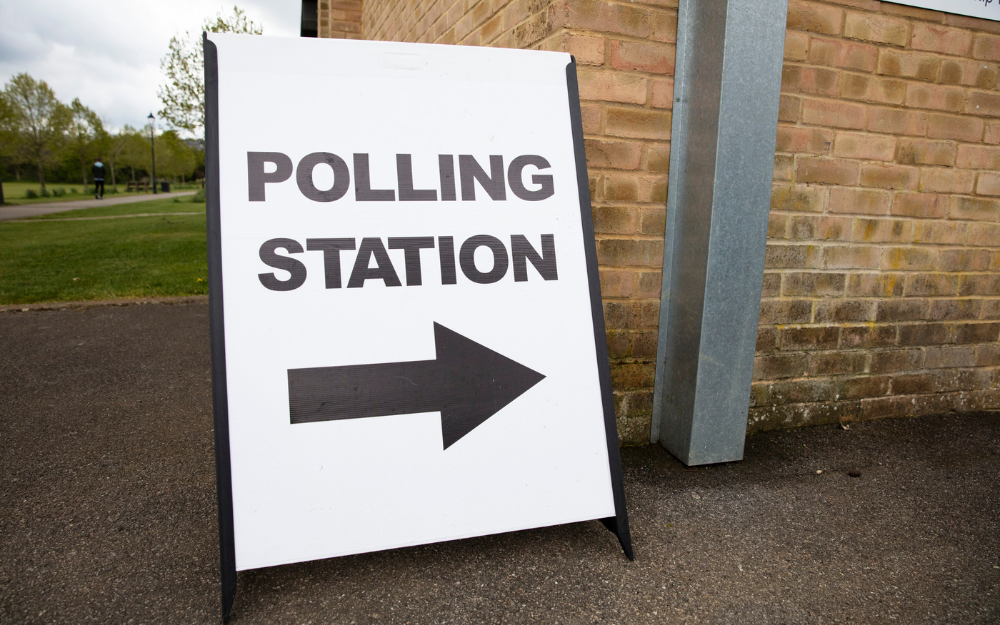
(619, 527)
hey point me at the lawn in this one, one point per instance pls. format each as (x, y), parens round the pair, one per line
(50, 261)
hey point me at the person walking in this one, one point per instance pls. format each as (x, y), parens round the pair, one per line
(98, 171)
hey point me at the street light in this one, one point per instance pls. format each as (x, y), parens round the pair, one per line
(152, 145)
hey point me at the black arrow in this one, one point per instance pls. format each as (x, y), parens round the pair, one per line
(467, 383)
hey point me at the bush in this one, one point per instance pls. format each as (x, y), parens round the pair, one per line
(46, 193)
(199, 197)
(72, 190)
(30, 194)
(59, 192)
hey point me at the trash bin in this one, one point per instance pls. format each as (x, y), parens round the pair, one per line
(165, 187)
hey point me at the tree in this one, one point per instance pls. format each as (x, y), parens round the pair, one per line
(117, 145)
(173, 157)
(183, 95)
(86, 136)
(134, 152)
(9, 124)
(42, 121)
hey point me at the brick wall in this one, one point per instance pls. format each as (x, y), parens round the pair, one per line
(339, 19)
(882, 287)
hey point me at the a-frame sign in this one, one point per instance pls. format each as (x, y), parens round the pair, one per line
(408, 340)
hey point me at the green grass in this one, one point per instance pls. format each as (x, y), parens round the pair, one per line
(104, 259)
(169, 205)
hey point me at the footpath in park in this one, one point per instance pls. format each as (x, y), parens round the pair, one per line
(21, 211)
(108, 512)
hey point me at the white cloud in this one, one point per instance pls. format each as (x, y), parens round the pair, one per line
(107, 52)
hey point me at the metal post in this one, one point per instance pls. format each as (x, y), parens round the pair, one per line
(725, 119)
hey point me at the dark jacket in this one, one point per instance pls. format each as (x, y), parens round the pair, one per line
(98, 171)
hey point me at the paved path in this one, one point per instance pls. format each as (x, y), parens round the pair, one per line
(8, 213)
(107, 513)
(44, 221)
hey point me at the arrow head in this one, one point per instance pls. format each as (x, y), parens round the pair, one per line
(480, 382)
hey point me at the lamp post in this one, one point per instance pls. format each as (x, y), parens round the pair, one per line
(152, 145)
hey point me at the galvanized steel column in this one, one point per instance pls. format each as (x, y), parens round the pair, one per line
(726, 92)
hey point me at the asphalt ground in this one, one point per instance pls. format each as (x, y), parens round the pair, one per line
(107, 513)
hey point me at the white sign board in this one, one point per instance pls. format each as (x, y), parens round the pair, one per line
(985, 9)
(407, 331)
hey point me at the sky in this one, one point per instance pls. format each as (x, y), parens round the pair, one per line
(108, 53)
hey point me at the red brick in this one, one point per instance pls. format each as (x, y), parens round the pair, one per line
(781, 311)
(946, 180)
(872, 89)
(790, 107)
(812, 284)
(992, 135)
(939, 232)
(784, 166)
(779, 366)
(983, 103)
(630, 252)
(591, 118)
(661, 93)
(940, 39)
(935, 97)
(882, 230)
(931, 285)
(974, 23)
(896, 360)
(910, 258)
(664, 26)
(617, 283)
(978, 157)
(986, 47)
(801, 198)
(655, 58)
(587, 50)
(925, 205)
(791, 256)
(909, 64)
(977, 209)
(804, 140)
(969, 73)
(983, 235)
(796, 46)
(989, 183)
(924, 152)
(606, 17)
(613, 154)
(833, 113)
(954, 127)
(889, 176)
(804, 79)
(859, 201)
(897, 121)
(826, 171)
(876, 28)
(814, 17)
(843, 54)
(851, 257)
(637, 123)
(658, 158)
(844, 311)
(819, 228)
(865, 146)
(611, 86)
